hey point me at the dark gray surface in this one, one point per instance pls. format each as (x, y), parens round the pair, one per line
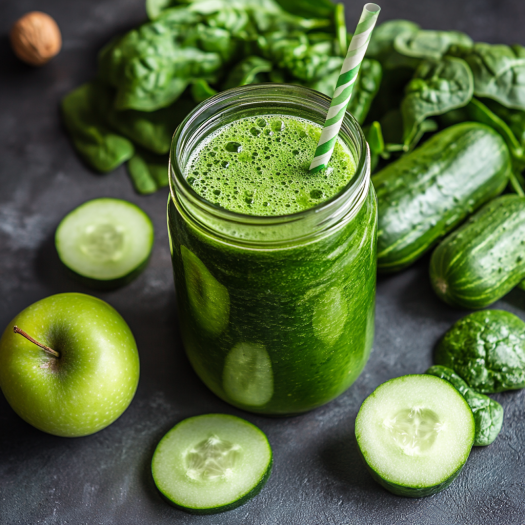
(105, 478)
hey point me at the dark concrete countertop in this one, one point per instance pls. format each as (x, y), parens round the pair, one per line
(318, 478)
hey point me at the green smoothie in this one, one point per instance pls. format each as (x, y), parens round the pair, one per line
(259, 166)
(275, 330)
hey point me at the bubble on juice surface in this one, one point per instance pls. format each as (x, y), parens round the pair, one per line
(277, 125)
(233, 147)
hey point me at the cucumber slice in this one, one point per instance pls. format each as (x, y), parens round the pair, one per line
(247, 376)
(105, 242)
(415, 434)
(329, 316)
(209, 299)
(211, 463)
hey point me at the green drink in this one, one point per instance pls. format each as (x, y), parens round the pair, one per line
(274, 267)
(259, 166)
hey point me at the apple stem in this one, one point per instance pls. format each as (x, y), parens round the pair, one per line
(17, 330)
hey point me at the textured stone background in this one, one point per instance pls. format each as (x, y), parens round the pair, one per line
(318, 478)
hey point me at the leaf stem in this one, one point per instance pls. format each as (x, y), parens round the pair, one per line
(516, 185)
(17, 330)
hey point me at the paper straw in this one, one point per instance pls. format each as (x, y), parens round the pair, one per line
(345, 86)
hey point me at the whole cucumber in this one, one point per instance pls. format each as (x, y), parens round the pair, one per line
(483, 259)
(428, 192)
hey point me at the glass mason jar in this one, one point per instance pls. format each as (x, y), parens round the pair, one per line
(277, 312)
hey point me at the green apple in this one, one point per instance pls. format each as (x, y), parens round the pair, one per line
(71, 366)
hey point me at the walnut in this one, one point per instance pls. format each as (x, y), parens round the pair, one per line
(35, 38)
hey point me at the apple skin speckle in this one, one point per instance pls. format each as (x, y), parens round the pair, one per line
(92, 382)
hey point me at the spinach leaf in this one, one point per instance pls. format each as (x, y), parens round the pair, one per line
(430, 44)
(479, 112)
(326, 83)
(514, 118)
(427, 126)
(280, 76)
(201, 90)
(381, 46)
(148, 172)
(246, 70)
(454, 116)
(271, 21)
(488, 413)
(391, 91)
(486, 349)
(151, 130)
(365, 89)
(149, 66)
(308, 8)
(154, 8)
(304, 61)
(437, 87)
(376, 143)
(392, 127)
(82, 113)
(499, 73)
(340, 29)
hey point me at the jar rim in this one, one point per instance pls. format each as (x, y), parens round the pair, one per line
(179, 186)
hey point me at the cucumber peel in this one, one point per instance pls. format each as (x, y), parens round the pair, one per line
(105, 242)
(211, 463)
(415, 434)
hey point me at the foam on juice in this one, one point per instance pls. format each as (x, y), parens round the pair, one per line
(259, 166)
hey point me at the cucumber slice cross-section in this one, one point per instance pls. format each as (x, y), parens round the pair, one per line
(105, 242)
(415, 434)
(211, 463)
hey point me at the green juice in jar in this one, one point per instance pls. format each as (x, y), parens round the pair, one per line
(259, 166)
(273, 322)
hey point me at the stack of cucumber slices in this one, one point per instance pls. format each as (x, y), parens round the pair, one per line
(415, 434)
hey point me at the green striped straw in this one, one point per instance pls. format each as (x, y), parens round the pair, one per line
(345, 86)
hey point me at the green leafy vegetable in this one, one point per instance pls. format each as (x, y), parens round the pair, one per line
(488, 413)
(298, 57)
(479, 112)
(340, 29)
(154, 8)
(376, 143)
(392, 127)
(195, 48)
(427, 126)
(246, 71)
(308, 8)
(487, 349)
(499, 73)
(437, 87)
(151, 130)
(201, 90)
(430, 44)
(381, 45)
(82, 112)
(148, 172)
(151, 66)
(514, 118)
(365, 89)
